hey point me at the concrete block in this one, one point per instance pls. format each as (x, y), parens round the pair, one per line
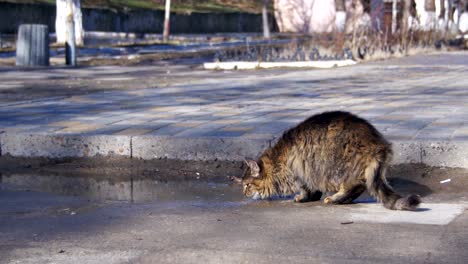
(203, 148)
(445, 153)
(406, 152)
(247, 65)
(59, 146)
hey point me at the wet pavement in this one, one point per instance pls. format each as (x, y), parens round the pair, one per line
(60, 219)
(126, 189)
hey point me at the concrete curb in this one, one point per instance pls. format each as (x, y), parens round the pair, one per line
(60, 146)
(433, 153)
(247, 65)
(151, 147)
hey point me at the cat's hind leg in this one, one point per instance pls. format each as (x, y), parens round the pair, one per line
(306, 195)
(345, 195)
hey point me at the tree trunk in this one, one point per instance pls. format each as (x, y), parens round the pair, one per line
(404, 25)
(429, 21)
(167, 21)
(340, 5)
(394, 16)
(442, 9)
(450, 10)
(266, 24)
(462, 25)
(429, 5)
(61, 20)
(340, 18)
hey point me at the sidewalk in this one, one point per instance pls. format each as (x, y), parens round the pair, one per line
(419, 103)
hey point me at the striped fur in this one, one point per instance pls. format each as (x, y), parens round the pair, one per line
(329, 152)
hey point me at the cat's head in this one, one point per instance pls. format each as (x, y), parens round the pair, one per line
(252, 183)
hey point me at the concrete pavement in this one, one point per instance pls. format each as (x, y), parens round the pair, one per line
(224, 227)
(419, 103)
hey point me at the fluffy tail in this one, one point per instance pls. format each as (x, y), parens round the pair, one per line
(378, 187)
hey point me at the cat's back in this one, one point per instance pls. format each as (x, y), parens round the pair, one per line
(335, 129)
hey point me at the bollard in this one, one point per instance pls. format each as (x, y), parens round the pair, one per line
(32, 46)
(70, 44)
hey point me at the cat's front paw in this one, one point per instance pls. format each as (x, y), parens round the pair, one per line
(299, 199)
(328, 200)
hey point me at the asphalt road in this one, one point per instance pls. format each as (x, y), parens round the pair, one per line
(218, 225)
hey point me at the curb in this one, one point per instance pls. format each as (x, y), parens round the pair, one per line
(61, 146)
(152, 147)
(433, 153)
(247, 65)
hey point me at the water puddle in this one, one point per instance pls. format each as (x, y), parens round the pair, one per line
(125, 189)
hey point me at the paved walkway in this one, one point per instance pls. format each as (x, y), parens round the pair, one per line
(228, 115)
(223, 227)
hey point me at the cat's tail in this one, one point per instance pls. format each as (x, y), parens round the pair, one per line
(379, 188)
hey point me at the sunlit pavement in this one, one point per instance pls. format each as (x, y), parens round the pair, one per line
(419, 103)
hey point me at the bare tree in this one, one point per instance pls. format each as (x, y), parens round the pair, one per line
(64, 7)
(266, 25)
(430, 5)
(355, 28)
(305, 16)
(394, 16)
(442, 9)
(431, 19)
(340, 18)
(404, 25)
(167, 21)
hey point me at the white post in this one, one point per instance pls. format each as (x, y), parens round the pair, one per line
(167, 21)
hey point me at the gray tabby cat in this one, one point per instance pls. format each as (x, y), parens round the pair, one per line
(329, 152)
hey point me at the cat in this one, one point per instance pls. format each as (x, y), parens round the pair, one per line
(329, 152)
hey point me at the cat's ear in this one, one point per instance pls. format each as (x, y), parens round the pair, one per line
(254, 168)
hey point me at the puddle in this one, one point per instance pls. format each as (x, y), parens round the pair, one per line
(128, 189)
